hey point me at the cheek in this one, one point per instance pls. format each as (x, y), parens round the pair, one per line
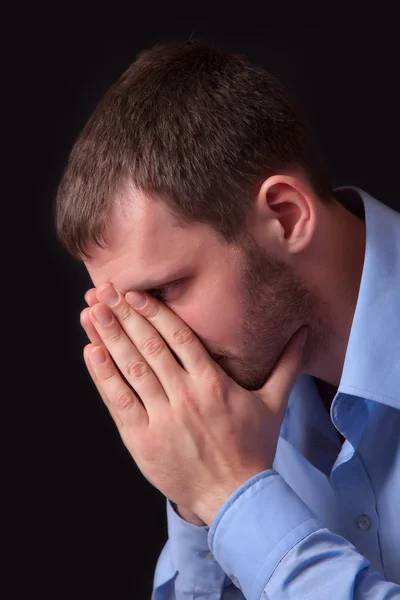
(215, 321)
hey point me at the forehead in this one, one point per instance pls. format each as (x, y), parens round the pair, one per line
(145, 242)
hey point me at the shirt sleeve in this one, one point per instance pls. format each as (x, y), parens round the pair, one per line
(272, 546)
(186, 568)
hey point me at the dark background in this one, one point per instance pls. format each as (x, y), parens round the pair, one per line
(101, 526)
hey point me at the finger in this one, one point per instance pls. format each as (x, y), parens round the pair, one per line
(124, 407)
(91, 297)
(182, 341)
(128, 359)
(96, 381)
(96, 341)
(89, 328)
(147, 340)
(286, 371)
(94, 337)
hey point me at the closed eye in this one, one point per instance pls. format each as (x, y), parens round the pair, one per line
(162, 293)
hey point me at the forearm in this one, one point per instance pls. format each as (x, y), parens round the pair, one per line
(270, 543)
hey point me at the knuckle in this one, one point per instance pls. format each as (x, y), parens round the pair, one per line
(152, 311)
(217, 388)
(153, 346)
(183, 335)
(114, 336)
(124, 401)
(124, 313)
(189, 401)
(137, 368)
(186, 397)
(108, 376)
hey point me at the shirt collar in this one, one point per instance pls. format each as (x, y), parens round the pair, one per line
(372, 363)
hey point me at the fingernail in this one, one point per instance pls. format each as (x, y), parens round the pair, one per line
(103, 315)
(136, 299)
(108, 294)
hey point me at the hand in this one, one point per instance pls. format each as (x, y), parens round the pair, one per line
(94, 337)
(195, 433)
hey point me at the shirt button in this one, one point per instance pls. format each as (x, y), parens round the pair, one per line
(210, 556)
(364, 522)
(235, 582)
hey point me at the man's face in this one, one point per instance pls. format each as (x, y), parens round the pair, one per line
(239, 302)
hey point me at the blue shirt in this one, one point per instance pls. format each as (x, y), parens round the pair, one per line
(324, 522)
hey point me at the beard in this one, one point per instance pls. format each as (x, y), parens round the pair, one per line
(273, 306)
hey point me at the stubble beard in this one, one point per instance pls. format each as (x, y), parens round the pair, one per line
(274, 305)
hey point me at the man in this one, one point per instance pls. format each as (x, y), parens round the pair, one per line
(196, 181)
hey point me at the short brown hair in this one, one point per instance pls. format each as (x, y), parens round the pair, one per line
(193, 125)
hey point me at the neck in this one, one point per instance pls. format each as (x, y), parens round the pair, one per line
(337, 269)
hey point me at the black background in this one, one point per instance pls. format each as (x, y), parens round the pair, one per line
(101, 525)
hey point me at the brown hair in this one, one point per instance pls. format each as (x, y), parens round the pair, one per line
(195, 126)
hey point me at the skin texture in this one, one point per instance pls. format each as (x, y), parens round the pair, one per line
(301, 265)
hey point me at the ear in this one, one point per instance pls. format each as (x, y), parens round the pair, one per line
(291, 208)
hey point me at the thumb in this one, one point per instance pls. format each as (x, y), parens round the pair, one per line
(279, 384)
